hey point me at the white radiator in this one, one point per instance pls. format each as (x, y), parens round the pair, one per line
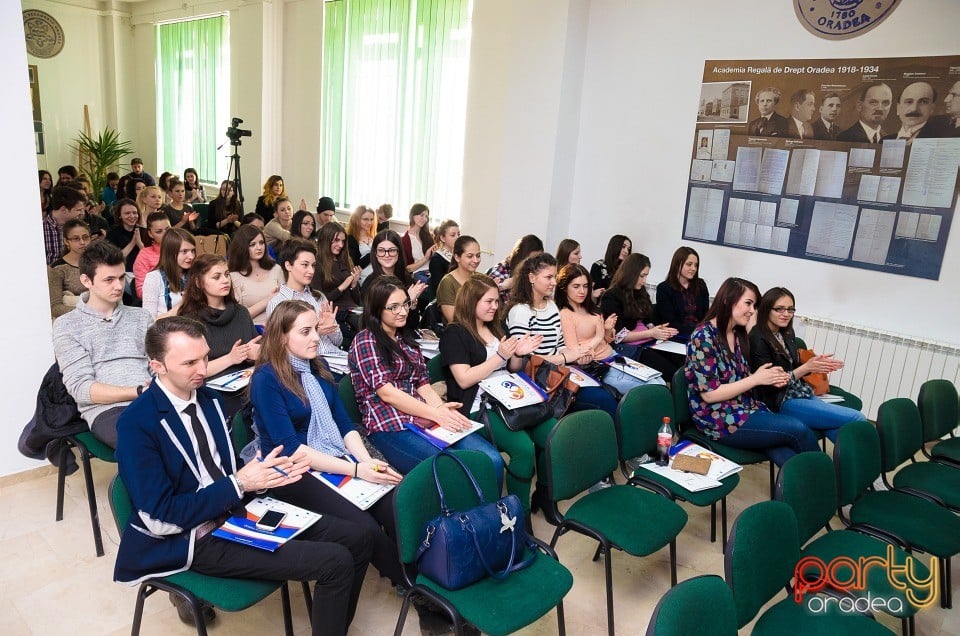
(879, 365)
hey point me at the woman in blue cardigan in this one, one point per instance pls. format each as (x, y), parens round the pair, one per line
(296, 406)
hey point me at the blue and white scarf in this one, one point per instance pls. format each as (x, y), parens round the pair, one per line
(323, 433)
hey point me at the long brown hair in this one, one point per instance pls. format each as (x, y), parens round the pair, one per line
(679, 258)
(569, 273)
(194, 296)
(273, 347)
(424, 235)
(239, 250)
(727, 297)
(765, 308)
(169, 251)
(325, 257)
(353, 224)
(522, 292)
(465, 306)
(636, 302)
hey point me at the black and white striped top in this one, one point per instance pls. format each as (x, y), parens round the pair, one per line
(524, 319)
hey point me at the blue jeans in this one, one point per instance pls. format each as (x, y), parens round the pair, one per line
(595, 397)
(820, 415)
(623, 382)
(779, 436)
(406, 449)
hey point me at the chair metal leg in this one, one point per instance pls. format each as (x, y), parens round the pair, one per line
(142, 595)
(91, 498)
(402, 619)
(608, 573)
(596, 555)
(285, 604)
(561, 624)
(308, 600)
(723, 521)
(673, 563)
(713, 522)
(772, 481)
(62, 477)
(947, 594)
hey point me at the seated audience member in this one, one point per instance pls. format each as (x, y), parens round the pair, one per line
(233, 340)
(91, 210)
(133, 188)
(252, 218)
(298, 258)
(181, 213)
(474, 347)
(225, 210)
(504, 272)
(618, 249)
(393, 389)
(256, 278)
(464, 263)
(628, 299)
(384, 214)
(326, 211)
(277, 229)
(177, 462)
(126, 232)
(157, 225)
(66, 174)
(99, 345)
(533, 311)
(720, 385)
(418, 244)
(386, 261)
(447, 235)
(568, 251)
(773, 341)
(683, 299)
(191, 183)
(151, 200)
(273, 190)
(582, 323)
(163, 287)
(46, 189)
(339, 278)
(304, 225)
(65, 204)
(136, 172)
(296, 406)
(163, 182)
(63, 277)
(108, 196)
(361, 230)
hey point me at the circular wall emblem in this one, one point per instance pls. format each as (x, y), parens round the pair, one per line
(43, 33)
(838, 19)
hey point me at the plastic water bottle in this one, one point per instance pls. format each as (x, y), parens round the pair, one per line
(664, 441)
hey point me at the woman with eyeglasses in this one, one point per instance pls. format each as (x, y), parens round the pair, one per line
(387, 260)
(63, 275)
(720, 386)
(772, 341)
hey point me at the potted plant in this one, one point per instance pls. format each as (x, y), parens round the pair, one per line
(98, 155)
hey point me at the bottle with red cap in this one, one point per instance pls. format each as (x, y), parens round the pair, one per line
(664, 441)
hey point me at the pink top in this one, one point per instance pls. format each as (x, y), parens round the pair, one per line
(146, 262)
(585, 328)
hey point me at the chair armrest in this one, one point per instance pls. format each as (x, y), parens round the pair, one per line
(921, 495)
(546, 549)
(878, 533)
(649, 484)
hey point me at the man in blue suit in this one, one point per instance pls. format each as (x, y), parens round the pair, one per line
(177, 461)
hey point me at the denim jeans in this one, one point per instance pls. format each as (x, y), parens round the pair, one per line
(623, 382)
(819, 415)
(595, 397)
(406, 449)
(779, 436)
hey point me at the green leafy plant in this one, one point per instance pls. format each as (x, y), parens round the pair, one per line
(98, 155)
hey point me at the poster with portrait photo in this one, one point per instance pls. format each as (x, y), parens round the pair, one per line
(842, 148)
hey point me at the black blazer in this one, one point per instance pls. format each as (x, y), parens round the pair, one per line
(764, 350)
(776, 127)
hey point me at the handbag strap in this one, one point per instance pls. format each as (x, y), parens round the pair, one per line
(436, 478)
(511, 566)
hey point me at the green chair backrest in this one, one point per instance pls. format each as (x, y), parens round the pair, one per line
(639, 417)
(856, 455)
(349, 398)
(203, 209)
(800, 343)
(435, 369)
(900, 431)
(681, 400)
(416, 500)
(120, 503)
(808, 484)
(939, 408)
(238, 433)
(760, 556)
(581, 450)
(701, 606)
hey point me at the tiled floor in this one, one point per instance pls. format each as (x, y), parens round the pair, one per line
(51, 582)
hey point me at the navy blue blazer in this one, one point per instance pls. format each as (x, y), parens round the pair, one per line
(161, 471)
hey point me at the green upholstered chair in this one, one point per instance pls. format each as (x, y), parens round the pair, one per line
(808, 484)
(87, 446)
(494, 607)
(760, 559)
(901, 438)
(701, 606)
(228, 594)
(580, 451)
(349, 398)
(685, 426)
(849, 399)
(639, 417)
(940, 412)
(435, 369)
(203, 209)
(918, 522)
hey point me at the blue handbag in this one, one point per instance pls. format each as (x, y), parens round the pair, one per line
(460, 548)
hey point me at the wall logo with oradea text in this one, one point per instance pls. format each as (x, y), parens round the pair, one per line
(839, 19)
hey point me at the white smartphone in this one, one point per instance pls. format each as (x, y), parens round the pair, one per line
(270, 520)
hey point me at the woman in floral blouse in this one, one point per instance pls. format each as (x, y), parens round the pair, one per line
(720, 385)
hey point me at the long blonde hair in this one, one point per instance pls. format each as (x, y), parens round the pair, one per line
(353, 225)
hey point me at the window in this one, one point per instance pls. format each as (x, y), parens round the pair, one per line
(193, 94)
(394, 102)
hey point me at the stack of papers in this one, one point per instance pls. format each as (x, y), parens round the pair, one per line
(580, 377)
(440, 437)
(360, 493)
(429, 343)
(632, 367)
(337, 362)
(720, 468)
(232, 381)
(244, 529)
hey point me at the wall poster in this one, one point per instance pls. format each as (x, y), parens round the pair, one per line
(853, 162)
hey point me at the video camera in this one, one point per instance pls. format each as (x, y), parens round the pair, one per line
(234, 133)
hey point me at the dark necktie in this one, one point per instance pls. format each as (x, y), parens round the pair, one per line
(876, 138)
(202, 446)
(833, 129)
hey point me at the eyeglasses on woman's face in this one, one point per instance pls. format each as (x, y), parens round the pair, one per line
(398, 308)
(785, 310)
(387, 251)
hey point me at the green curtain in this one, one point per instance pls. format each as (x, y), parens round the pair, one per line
(394, 102)
(193, 94)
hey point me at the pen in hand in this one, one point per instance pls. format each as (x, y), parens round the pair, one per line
(279, 470)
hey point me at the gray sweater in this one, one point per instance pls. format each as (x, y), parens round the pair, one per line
(91, 348)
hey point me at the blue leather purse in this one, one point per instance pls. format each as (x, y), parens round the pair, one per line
(460, 548)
